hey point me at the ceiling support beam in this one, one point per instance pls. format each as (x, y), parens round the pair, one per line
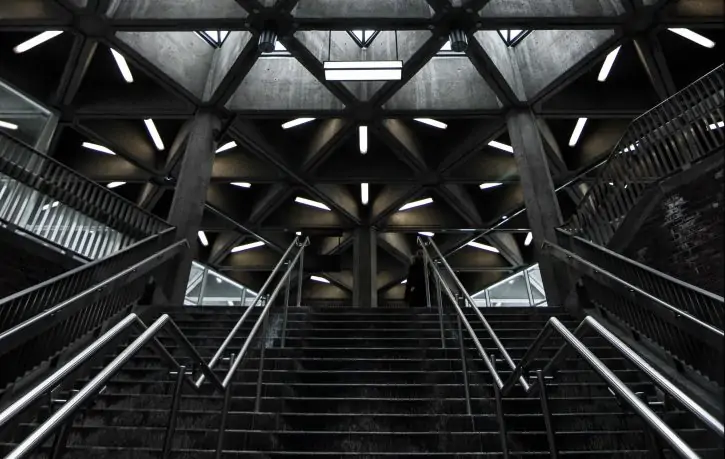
(365, 268)
(653, 60)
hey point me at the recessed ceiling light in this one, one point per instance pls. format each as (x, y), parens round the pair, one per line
(694, 36)
(202, 238)
(241, 184)
(251, 245)
(577, 131)
(154, 133)
(96, 147)
(311, 203)
(115, 184)
(364, 193)
(363, 70)
(426, 233)
(608, 63)
(6, 125)
(414, 204)
(432, 122)
(226, 146)
(319, 279)
(36, 40)
(122, 66)
(299, 233)
(501, 146)
(296, 122)
(404, 281)
(485, 186)
(529, 238)
(488, 248)
(718, 125)
(363, 139)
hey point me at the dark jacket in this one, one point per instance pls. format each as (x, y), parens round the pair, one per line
(415, 287)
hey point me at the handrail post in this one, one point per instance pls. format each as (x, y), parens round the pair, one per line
(202, 288)
(527, 281)
(300, 274)
(464, 368)
(174, 413)
(546, 411)
(427, 279)
(440, 311)
(260, 371)
(225, 414)
(499, 414)
(284, 313)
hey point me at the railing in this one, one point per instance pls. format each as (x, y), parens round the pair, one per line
(571, 342)
(61, 421)
(43, 197)
(680, 131)
(40, 321)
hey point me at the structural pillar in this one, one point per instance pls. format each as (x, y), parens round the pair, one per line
(365, 268)
(542, 206)
(187, 207)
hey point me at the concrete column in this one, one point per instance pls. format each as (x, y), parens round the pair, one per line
(365, 269)
(542, 207)
(187, 206)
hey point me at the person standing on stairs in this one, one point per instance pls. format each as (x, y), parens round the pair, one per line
(415, 286)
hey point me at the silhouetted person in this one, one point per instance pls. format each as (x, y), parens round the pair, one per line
(415, 287)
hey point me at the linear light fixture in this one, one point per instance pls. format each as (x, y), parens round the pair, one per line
(6, 125)
(694, 36)
(202, 238)
(96, 147)
(241, 184)
(414, 204)
(226, 146)
(113, 185)
(501, 146)
(319, 279)
(608, 63)
(36, 40)
(311, 203)
(49, 206)
(718, 125)
(426, 233)
(296, 122)
(364, 193)
(432, 122)
(486, 186)
(251, 245)
(404, 281)
(529, 238)
(154, 133)
(122, 66)
(364, 71)
(488, 248)
(363, 139)
(577, 131)
(298, 233)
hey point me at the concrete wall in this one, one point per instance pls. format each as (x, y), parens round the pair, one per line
(181, 9)
(362, 8)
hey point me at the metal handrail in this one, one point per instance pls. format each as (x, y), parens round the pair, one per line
(602, 370)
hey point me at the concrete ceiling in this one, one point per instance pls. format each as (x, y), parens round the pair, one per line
(552, 70)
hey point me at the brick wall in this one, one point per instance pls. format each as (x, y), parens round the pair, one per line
(683, 236)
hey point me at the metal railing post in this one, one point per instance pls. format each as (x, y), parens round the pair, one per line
(260, 372)
(499, 414)
(546, 411)
(528, 287)
(244, 296)
(173, 414)
(225, 413)
(464, 367)
(286, 308)
(300, 274)
(440, 312)
(204, 276)
(427, 279)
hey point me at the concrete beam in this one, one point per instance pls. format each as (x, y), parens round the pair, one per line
(397, 245)
(328, 136)
(506, 243)
(473, 142)
(560, 8)
(268, 203)
(653, 60)
(362, 9)
(174, 9)
(391, 198)
(342, 197)
(365, 267)
(223, 243)
(32, 13)
(336, 245)
(401, 139)
(460, 201)
(497, 65)
(230, 65)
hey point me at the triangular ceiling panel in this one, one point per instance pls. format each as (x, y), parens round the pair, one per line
(445, 83)
(282, 83)
(360, 9)
(175, 9)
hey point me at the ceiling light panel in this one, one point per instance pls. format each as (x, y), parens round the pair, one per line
(227, 146)
(432, 122)
(501, 146)
(202, 238)
(363, 71)
(322, 280)
(426, 233)
(115, 184)
(36, 40)
(414, 204)
(607, 65)
(296, 122)
(486, 186)
(243, 247)
(241, 184)
(364, 193)
(581, 122)
(98, 148)
(122, 66)
(529, 238)
(311, 203)
(485, 247)
(694, 37)
(363, 134)
(8, 125)
(154, 133)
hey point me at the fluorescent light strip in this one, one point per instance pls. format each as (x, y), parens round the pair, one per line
(404, 281)
(432, 122)
(363, 71)
(251, 245)
(486, 186)
(122, 66)
(296, 122)
(415, 204)
(364, 193)
(311, 203)
(577, 131)
(6, 125)
(718, 125)
(608, 63)
(426, 233)
(694, 36)
(202, 238)
(363, 139)
(36, 40)
(151, 127)
(241, 184)
(226, 146)
(96, 147)
(488, 248)
(115, 184)
(501, 146)
(529, 238)
(319, 279)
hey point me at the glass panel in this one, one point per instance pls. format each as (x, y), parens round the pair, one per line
(193, 288)
(510, 292)
(220, 291)
(537, 286)
(22, 118)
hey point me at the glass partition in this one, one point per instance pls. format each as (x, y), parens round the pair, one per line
(26, 120)
(207, 287)
(524, 288)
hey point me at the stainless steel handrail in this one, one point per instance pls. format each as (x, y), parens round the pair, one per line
(148, 336)
(602, 370)
(238, 325)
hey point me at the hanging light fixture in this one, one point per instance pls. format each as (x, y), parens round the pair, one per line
(363, 70)
(267, 41)
(459, 41)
